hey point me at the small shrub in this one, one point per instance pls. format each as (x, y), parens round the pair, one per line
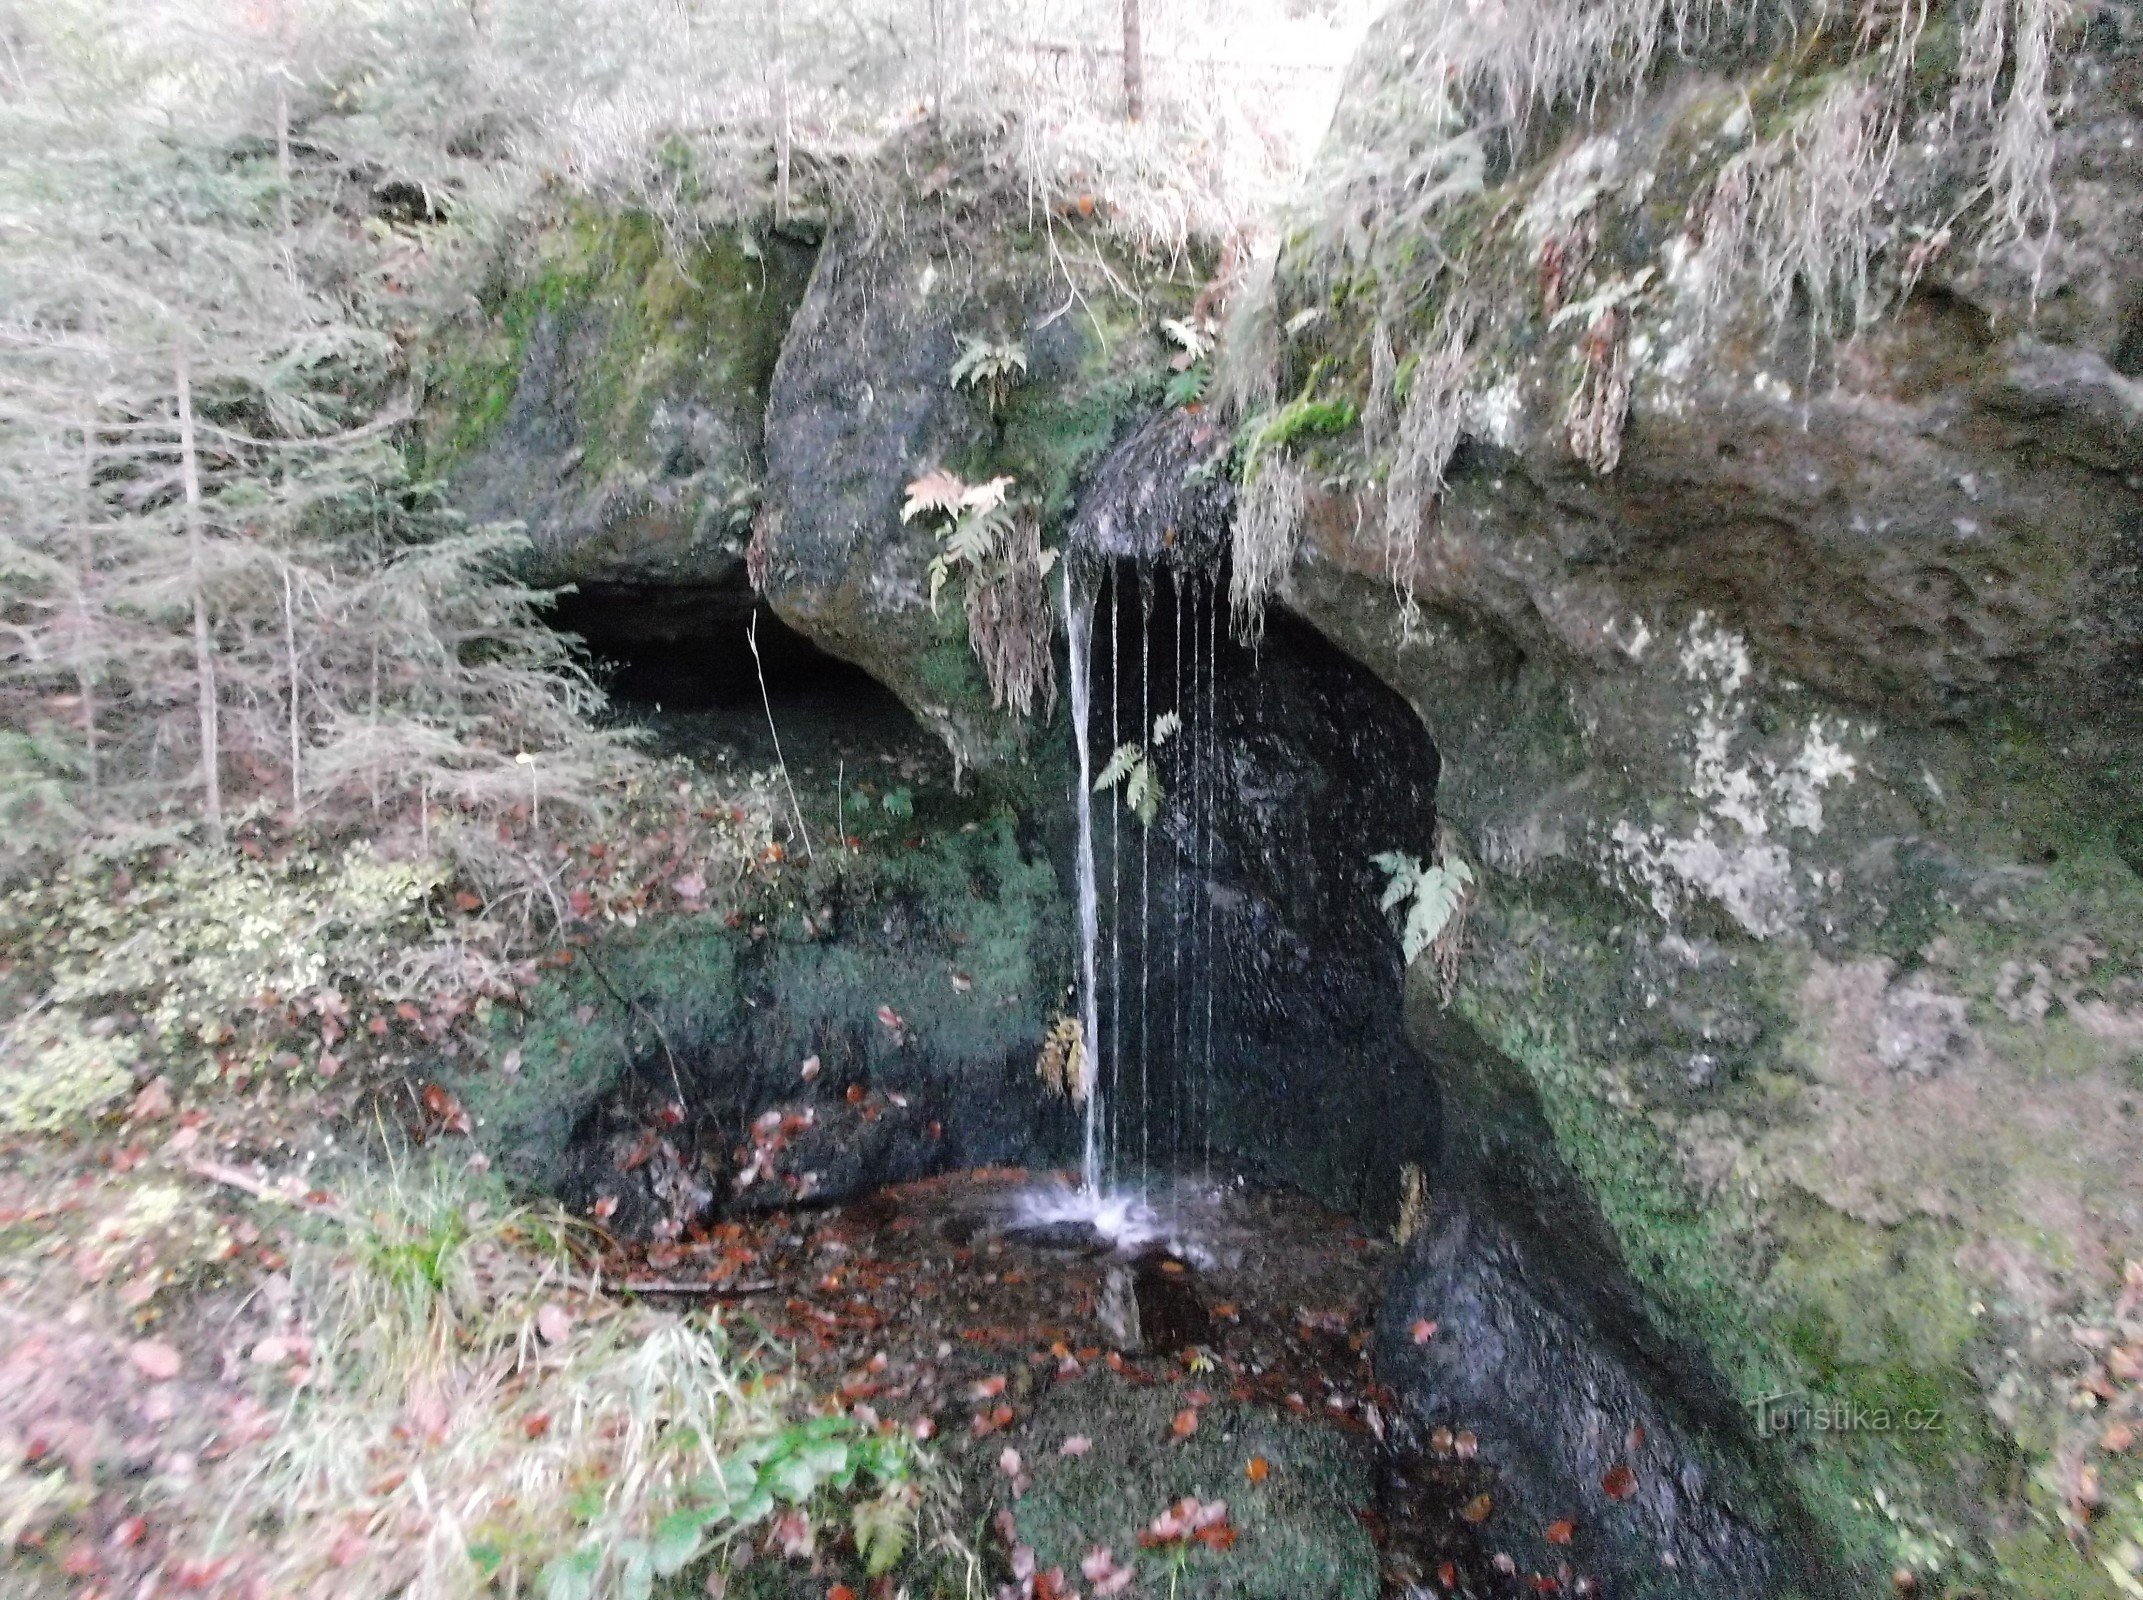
(60, 1071)
(995, 546)
(495, 1428)
(1132, 766)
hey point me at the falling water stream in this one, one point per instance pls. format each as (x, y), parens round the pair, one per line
(1152, 1044)
(1078, 627)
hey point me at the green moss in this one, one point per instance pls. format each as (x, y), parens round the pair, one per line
(1299, 1533)
(647, 324)
(1301, 418)
(958, 897)
(1050, 434)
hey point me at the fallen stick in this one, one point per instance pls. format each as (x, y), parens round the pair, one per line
(726, 1291)
(258, 1188)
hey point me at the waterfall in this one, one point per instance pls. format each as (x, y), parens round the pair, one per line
(1078, 629)
(1145, 893)
(1208, 816)
(1148, 1042)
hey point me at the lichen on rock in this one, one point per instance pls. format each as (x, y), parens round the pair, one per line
(1799, 737)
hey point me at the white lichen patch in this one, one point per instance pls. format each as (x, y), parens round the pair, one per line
(1746, 802)
(1570, 189)
(1496, 414)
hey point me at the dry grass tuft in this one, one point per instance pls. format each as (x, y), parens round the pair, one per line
(1010, 624)
(478, 1418)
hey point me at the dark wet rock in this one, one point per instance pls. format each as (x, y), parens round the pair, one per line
(683, 1042)
(609, 393)
(1172, 1316)
(1164, 495)
(863, 403)
(1268, 980)
(1510, 1317)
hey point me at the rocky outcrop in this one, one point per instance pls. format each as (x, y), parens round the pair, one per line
(609, 392)
(1784, 675)
(865, 401)
(665, 1068)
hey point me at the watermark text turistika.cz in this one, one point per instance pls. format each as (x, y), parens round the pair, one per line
(1779, 1412)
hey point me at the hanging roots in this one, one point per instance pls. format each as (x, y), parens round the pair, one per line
(1603, 392)
(1009, 623)
(1799, 211)
(1267, 523)
(1062, 1064)
(1430, 427)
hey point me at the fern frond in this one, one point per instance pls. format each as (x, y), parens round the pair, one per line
(936, 490)
(1165, 727)
(1186, 388)
(1127, 756)
(971, 539)
(1142, 792)
(1403, 872)
(982, 498)
(1188, 337)
(1437, 899)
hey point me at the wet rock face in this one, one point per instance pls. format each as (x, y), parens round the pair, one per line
(1799, 750)
(870, 1025)
(1511, 1318)
(1250, 995)
(1523, 1358)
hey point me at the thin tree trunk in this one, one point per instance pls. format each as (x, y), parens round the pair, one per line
(372, 719)
(283, 208)
(85, 573)
(290, 652)
(204, 655)
(1134, 63)
(937, 63)
(282, 156)
(780, 52)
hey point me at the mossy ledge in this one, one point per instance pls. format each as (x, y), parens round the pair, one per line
(609, 388)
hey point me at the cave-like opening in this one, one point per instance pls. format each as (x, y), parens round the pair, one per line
(678, 660)
(1249, 990)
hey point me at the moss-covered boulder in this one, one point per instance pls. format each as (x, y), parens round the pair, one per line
(917, 973)
(1752, 517)
(608, 389)
(871, 394)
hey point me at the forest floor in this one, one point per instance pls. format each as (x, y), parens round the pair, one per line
(1246, 1396)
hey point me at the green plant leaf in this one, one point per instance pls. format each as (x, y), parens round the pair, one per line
(1437, 897)
(636, 1573)
(572, 1577)
(1142, 792)
(1405, 873)
(679, 1538)
(882, 1527)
